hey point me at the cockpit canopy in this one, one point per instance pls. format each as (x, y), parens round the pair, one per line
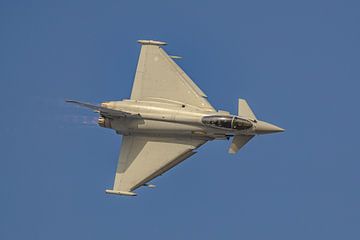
(227, 122)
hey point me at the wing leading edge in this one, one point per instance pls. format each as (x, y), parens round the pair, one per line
(143, 158)
(159, 78)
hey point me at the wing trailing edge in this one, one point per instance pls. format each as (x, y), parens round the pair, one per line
(103, 110)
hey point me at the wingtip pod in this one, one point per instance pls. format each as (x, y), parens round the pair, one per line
(110, 191)
(152, 42)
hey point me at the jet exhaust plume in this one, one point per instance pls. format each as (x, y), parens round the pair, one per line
(81, 119)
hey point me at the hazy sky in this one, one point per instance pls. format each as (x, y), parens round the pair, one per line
(296, 62)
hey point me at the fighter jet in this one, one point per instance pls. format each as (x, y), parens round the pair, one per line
(166, 119)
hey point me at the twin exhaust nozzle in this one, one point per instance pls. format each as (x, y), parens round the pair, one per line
(104, 122)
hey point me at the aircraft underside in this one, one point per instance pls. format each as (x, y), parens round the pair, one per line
(166, 119)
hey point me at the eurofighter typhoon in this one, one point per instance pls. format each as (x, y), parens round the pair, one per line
(166, 119)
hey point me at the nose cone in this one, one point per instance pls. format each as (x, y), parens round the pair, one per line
(265, 128)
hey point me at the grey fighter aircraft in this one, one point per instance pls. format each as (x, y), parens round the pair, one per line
(166, 119)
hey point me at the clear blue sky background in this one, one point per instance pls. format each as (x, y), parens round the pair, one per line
(296, 62)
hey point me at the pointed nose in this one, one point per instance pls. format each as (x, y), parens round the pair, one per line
(265, 128)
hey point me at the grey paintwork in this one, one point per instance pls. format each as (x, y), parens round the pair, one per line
(166, 118)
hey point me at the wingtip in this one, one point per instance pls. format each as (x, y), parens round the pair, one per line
(152, 42)
(72, 101)
(125, 193)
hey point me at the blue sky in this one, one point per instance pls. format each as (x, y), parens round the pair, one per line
(296, 62)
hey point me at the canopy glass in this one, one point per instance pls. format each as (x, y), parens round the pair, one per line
(227, 122)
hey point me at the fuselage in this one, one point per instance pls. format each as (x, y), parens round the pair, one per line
(174, 119)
